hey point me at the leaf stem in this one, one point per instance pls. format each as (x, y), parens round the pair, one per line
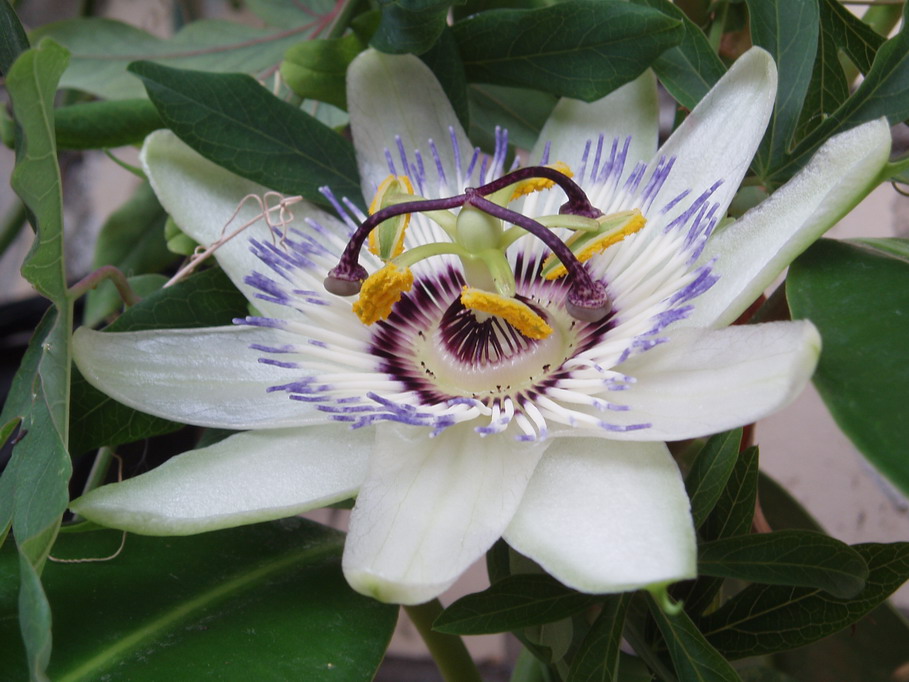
(95, 278)
(448, 651)
(342, 18)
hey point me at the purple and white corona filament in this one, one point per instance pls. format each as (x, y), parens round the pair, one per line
(436, 357)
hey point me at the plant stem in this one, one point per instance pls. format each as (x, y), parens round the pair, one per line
(95, 278)
(342, 19)
(448, 651)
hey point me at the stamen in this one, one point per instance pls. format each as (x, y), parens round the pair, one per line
(381, 291)
(387, 239)
(536, 184)
(586, 297)
(518, 314)
(616, 227)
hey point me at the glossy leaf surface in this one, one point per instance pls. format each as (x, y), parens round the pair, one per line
(858, 297)
(786, 557)
(764, 619)
(232, 120)
(692, 656)
(514, 602)
(582, 49)
(691, 68)
(35, 481)
(710, 472)
(268, 600)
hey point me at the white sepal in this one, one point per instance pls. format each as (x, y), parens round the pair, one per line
(606, 517)
(752, 251)
(207, 377)
(246, 478)
(430, 507)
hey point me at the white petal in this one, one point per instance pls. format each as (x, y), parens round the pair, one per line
(207, 377)
(751, 252)
(397, 95)
(607, 517)
(630, 110)
(720, 136)
(705, 381)
(431, 507)
(246, 478)
(202, 198)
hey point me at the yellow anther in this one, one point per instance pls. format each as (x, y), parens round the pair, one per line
(519, 315)
(380, 291)
(387, 239)
(537, 184)
(616, 227)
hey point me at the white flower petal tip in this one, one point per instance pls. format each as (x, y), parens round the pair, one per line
(207, 377)
(607, 517)
(380, 96)
(707, 381)
(719, 138)
(430, 508)
(246, 478)
(751, 252)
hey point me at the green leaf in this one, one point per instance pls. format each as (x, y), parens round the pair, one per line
(317, 69)
(885, 246)
(597, 657)
(857, 298)
(764, 619)
(132, 239)
(268, 600)
(690, 69)
(233, 121)
(583, 48)
(692, 656)
(410, 26)
(871, 651)
(102, 49)
(14, 40)
(731, 516)
(828, 89)
(734, 510)
(445, 62)
(203, 300)
(788, 30)
(521, 111)
(710, 472)
(517, 601)
(40, 463)
(883, 93)
(787, 557)
(96, 125)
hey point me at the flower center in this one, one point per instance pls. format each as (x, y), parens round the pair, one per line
(480, 239)
(484, 358)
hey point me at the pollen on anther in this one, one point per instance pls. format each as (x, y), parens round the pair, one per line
(536, 184)
(380, 291)
(518, 314)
